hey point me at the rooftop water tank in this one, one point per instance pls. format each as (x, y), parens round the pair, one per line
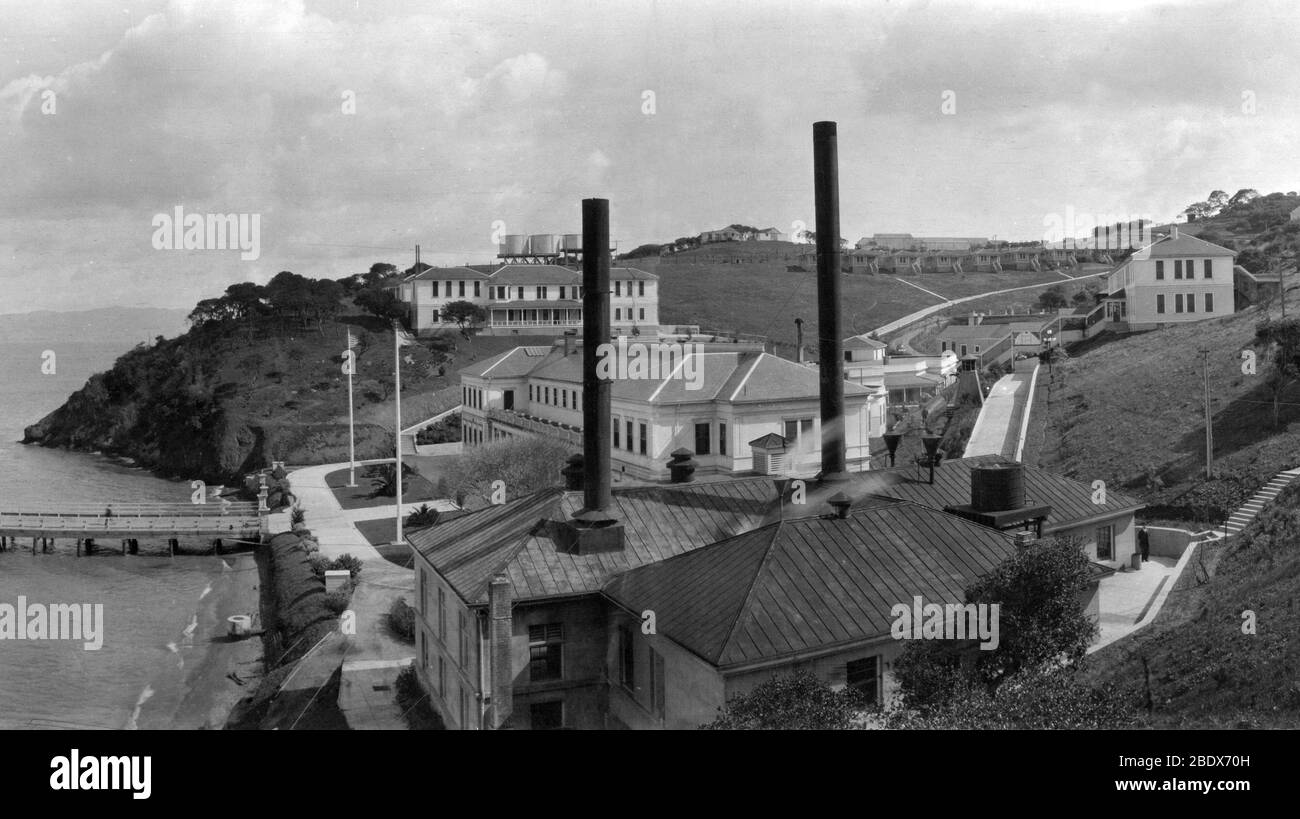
(997, 487)
(571, 241)
(542, 244)
(516, 244)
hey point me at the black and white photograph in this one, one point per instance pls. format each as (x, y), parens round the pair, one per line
(872, 374)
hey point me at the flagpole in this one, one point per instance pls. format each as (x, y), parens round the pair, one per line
(397, 380)
(352, 434)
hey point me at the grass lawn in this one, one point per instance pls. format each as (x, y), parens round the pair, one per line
(414, 488)
(758, 295)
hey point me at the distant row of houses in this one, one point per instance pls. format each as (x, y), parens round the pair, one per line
(733, 233)
(983, 260)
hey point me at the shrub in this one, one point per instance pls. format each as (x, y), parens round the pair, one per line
(337, 601)
(347, 561)
(297, 515)
(401, 619)
(319, 564)
(426, 515)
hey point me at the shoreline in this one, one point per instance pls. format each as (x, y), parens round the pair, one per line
(208, 693)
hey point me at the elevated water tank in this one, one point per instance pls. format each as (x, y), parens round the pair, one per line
(542, 244)
(571, 241)
(997, 487)
(516, 244)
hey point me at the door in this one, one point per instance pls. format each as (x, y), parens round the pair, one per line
(508, 399)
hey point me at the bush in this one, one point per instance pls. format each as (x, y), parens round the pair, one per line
(401, 619)
(297, 515)
(414, 703)
(346, 561)
(319, 564)
(337, 601)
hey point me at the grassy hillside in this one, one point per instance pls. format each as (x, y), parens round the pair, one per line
(1129, 411)
(1203, 671)
(227, 397)
(746, 287)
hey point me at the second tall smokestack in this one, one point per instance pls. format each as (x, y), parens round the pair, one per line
(596, 391)
(830, 347)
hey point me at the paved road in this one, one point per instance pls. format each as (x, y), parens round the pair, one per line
(997, 430)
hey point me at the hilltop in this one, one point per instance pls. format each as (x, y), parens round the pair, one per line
(234, 392)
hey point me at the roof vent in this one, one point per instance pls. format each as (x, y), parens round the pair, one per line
(841, 503)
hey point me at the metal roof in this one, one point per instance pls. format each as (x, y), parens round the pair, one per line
(807, 583)
(516, 538)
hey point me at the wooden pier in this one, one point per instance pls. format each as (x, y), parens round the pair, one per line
(96, 528)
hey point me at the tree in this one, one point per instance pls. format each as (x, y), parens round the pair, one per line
(796, 701)
(1280, 340)
(1040, 624)
(464, 313)
(1053, 298)
(523, 465)
(425, 515)
(380, 302)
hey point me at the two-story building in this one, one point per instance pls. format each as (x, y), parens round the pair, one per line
(1178, 278)
(527, 299)
(991, 343)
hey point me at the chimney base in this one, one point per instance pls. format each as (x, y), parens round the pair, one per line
(578, 537)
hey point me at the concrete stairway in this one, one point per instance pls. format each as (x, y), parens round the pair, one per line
(1243, 516)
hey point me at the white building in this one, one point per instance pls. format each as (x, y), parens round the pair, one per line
(1178, 278)
(711, 399)
(528, 299)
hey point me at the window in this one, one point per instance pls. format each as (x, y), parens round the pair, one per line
(460, 288)
(1105, 543)
(644, 438)
(541, 291)
(848, 355)
(862, 676)
(626, 659)
(1209, 302)
(520, 292)
(424, 650)
(564, 398)
(1160, 303)
(1178, 302)
(617, 427)
(424, 590)
(442, 676)
(977, 348)
(618, 287)
(1209, 271)
(477, 291)
(963, 349)
(641, 310)
(561, 292)
(722, 438)
(442, 614)
(618, 313)
(530, 393)
(464, 706)
(544, 652)
(1191, 302)
(1178, 268)
(463, 649)
(794, 430)
(447, 290)
(546, 395)
(640, 289)
(546, 716)
(702, 439)
(629, 436)
(501, 294)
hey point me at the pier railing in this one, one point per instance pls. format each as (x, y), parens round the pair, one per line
(138, 510)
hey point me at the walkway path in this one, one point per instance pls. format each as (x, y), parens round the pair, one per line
(373, 656)
(1001, 422)
(912, 318)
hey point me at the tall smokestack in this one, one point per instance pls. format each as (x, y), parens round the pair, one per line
(830, 347)
(798, 339)
(596, 392)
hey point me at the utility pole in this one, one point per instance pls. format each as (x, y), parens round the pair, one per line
(1209, 427)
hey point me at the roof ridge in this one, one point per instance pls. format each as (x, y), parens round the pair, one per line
(753, 582)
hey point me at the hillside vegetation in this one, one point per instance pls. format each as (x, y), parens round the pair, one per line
(259, 378)
(1129, 411)
(1206, 662)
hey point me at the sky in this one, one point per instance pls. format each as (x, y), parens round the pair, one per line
(346, 132)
